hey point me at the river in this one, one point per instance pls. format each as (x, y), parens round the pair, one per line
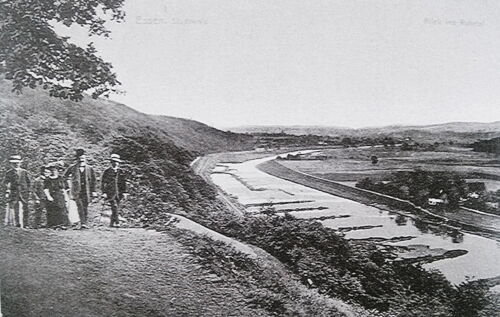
(253, 188)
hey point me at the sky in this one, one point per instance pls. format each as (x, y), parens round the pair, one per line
(346, 63)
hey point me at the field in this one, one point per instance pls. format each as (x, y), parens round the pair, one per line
(353, 164)
(349, 165)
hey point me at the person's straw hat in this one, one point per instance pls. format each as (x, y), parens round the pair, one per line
(15, 159)
(115, 157)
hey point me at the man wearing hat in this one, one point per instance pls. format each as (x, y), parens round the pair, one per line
(17, 183)
(114, 188)
(81, 181)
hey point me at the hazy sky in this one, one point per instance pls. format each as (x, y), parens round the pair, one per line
(348, 63)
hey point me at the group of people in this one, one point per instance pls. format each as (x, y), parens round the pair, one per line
(63, 194)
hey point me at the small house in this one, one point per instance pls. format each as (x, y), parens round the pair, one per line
(435, 201)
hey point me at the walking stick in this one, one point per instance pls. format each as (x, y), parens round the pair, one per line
(20, 213)
(1, 298)
(7, 215)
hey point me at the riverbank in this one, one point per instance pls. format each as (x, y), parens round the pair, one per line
(450, 220)
(309, 248)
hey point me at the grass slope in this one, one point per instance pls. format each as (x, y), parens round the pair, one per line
(98, 120)
(157, 149)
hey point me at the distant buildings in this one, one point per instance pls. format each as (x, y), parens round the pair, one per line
(304, 156)
(436, 201)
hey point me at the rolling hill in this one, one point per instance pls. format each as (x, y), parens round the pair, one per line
(461, 132)
(101, 118)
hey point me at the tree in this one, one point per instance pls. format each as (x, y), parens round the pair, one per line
(470, 298)
(388, 141)
(490, 146)
(32, 54)
(365, 183)
(346, 142)
(406, 147)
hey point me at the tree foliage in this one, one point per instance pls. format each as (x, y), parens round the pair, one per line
(471, 297)
(32, 54)
(418, 186)
(489, 146)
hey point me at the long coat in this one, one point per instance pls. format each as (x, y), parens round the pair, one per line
(73, 175)
(18, 181)
(114, 183)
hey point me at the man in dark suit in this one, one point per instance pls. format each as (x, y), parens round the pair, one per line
(114, 188)
(81, 181)
(17, 183)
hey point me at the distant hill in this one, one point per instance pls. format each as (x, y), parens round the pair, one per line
(292, 129)
(459, 127)
(157, 149)
(464, 132)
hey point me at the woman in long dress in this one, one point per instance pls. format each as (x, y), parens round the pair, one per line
(56, 204)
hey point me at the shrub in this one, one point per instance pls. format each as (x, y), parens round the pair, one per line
(470, 298)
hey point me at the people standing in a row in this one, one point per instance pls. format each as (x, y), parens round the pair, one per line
(55, 191)
(81, 183)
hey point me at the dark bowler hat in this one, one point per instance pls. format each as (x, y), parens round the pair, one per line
(79, 152)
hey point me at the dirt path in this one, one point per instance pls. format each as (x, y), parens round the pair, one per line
(108, 272)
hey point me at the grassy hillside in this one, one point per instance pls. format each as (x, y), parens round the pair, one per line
(97, 120)
(199, 137)
(157, 149)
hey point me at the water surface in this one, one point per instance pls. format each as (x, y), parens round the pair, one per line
(252, 187)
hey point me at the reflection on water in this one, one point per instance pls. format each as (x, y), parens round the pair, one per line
(363, 222)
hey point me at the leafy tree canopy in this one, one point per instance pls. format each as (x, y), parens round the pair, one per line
(32, 54)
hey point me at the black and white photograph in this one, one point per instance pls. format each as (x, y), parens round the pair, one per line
(249, 158)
